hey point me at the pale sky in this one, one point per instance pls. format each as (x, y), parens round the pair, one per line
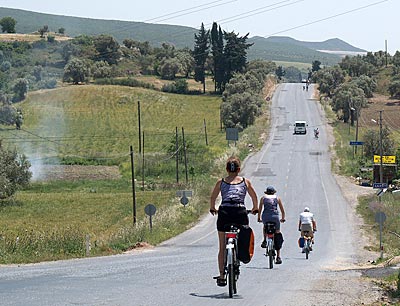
(365, 24)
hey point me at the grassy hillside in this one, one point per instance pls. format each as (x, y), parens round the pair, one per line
(272, 48)
(28, 22)
(102, 121)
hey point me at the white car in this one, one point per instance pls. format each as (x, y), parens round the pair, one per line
(300, 127)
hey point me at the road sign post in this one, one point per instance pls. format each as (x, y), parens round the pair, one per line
(380, 217)
(380, 185)
(150, 210)
(356, 143)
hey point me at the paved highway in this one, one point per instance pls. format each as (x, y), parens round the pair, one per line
(180, 271)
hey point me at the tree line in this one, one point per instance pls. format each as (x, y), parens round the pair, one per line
(348, 85)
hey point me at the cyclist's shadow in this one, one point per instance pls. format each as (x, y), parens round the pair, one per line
(219, 296)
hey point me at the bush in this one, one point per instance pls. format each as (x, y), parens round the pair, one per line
(124, 82)
(181, 86)
(169, 87)
(7, 115)
(394, 89)
(47, 84)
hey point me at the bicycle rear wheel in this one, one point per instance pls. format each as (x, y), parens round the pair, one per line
(307, 248)
(271, 259)
(270, 254)
(231, 280)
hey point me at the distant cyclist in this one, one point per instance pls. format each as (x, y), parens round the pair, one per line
(316, 132)
(307, 223)
(233, 189)
(268, 212)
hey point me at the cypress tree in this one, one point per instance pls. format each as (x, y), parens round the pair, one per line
(217, 48)
(200, 54)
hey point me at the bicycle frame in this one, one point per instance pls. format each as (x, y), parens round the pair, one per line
(231, 245)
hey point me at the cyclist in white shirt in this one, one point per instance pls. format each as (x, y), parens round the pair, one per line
(307, 223)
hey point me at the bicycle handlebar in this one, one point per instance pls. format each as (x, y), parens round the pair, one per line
(248, 211)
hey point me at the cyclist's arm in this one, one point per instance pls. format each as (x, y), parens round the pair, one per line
(282, 209)
(253, 196)
(214, 195)
(314, 224)
(260, 208)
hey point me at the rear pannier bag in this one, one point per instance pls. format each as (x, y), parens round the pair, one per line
(245, 244)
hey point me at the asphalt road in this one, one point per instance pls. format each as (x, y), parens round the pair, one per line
(180, 271)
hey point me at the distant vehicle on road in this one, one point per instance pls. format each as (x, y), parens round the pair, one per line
(300, 127)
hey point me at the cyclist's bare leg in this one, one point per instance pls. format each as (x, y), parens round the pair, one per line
(278, 252)
(221, 254)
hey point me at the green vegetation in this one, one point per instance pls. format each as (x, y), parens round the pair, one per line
(365, 75)
(271, 48)
(84, 124)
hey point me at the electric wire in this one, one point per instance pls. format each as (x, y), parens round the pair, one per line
(326, 18)
(172, 15)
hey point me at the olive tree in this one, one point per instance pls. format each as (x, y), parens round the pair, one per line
(14, 173)
(372, 143)
(241, 101)
(8, 24)
(20, 89)
(394, 88)
(76, 71)
(346, 97)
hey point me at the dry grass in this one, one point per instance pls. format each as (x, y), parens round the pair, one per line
(10, 37)
(391, 112)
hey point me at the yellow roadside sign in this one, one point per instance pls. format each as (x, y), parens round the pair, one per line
(389, 159)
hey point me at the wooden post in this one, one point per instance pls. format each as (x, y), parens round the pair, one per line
(133, 188)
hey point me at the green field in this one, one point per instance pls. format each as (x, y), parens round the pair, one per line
(95, 125)
(102, 121)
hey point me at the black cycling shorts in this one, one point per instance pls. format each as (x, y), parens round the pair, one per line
(231, 215)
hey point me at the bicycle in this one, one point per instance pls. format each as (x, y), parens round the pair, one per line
(269, 232)
(307, 243)
(232, 262)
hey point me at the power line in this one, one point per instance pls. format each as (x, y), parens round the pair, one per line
(301, 25)
(247, 14)
(173, 15)
(326, 18)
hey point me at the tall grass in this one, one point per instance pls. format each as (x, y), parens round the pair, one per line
(390, 206)
(54, 224)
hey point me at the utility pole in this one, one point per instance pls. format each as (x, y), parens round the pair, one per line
(357, 114)
(380, 148)
(380, 176)
(133, 187)
(386, 52)
(140, 128)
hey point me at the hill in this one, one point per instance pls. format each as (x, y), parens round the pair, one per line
(28, 22)
(272, 48)
(334, 44)
(287, 51)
